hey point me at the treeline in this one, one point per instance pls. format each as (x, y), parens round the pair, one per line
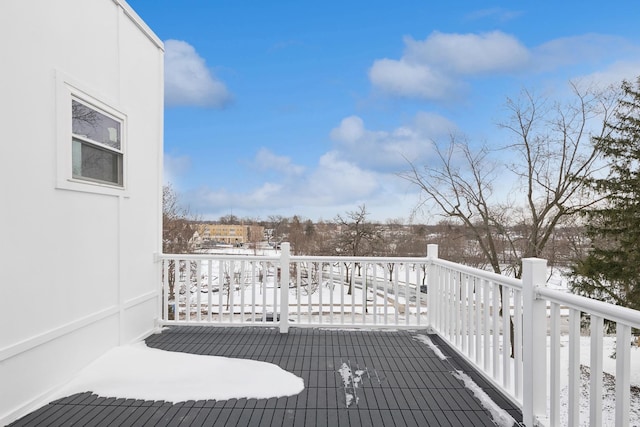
(353, 234)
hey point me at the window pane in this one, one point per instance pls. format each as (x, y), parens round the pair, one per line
(94, 163)
(93, 125)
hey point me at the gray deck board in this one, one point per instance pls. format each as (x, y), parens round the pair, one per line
(401, 382)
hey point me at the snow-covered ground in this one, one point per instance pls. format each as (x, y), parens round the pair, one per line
(557, 280)
(608, 384)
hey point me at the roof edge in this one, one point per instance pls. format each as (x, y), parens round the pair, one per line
(139, 22)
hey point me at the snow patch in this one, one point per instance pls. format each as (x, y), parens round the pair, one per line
(500, 417)
(351, 381)
(139, 372)
(426, 340)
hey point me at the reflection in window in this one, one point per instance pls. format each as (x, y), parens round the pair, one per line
(96, 149)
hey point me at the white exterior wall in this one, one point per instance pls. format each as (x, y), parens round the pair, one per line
(77, 272)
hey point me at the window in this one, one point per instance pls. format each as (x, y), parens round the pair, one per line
(96, 145)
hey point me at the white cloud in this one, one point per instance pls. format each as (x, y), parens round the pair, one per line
(613, 75)
(187, 79)
(266, 160)
(402, 78)
(350, 130)
(433, 125)
(438, 67)
(431, 69)
(587, 48)
(359, 168)
(386, 151)
(340, 180)
(468, 54)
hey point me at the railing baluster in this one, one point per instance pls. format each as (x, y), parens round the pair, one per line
(623, 370)
(450, 307)
(220, 289)
(477, 284)
(165, 291)
(418, 292)
(310, 292)
(517, 324)
(199, 290)
(298, 289)
(331, 289)
(407, 297)
(442, 300)
(386, 294)
(187, 291)
(276, 287)
(506, 338)
(209, 288)
(455, 294)
(263, 290)
(574, 368)
(241, 289)
(351, 285)
(554, 368)
(253, 291)
(486, 286)
(464, 314)
(396, 299)
(342, 286)
(374, 280)
(595, 380)
(496, 330)
(470, 318)
(320, 300)
(364, 297)
(232, 290)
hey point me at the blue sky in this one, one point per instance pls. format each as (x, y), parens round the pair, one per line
(310, 108)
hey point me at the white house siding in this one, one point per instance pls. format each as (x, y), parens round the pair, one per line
(77, 272)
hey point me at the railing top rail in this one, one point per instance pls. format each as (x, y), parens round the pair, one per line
(367, 259)
(483, 274)
(602, 309)
(196, 257)
(309, 258)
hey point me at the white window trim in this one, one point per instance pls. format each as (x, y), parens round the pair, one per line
(68, 89)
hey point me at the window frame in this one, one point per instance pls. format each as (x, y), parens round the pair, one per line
(67, 91)
(85, 140)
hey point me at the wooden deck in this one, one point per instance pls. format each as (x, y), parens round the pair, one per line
(402, 383)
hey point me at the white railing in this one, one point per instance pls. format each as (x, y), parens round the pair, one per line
(508, 328)
(237, 290)
(521, 350)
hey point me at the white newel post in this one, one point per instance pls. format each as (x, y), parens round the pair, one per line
(534, 342)
(285, 259)
(432, 287)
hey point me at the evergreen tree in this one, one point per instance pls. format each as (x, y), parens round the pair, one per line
(611, 270)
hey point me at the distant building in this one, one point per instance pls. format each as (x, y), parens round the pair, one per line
(233, 234)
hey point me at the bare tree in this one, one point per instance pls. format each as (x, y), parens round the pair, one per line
(357, 237)
(176, 232)
(279, 226)
(551, 157)
(230, 219)
(297, 237)
(177, 229)
(551, 160)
